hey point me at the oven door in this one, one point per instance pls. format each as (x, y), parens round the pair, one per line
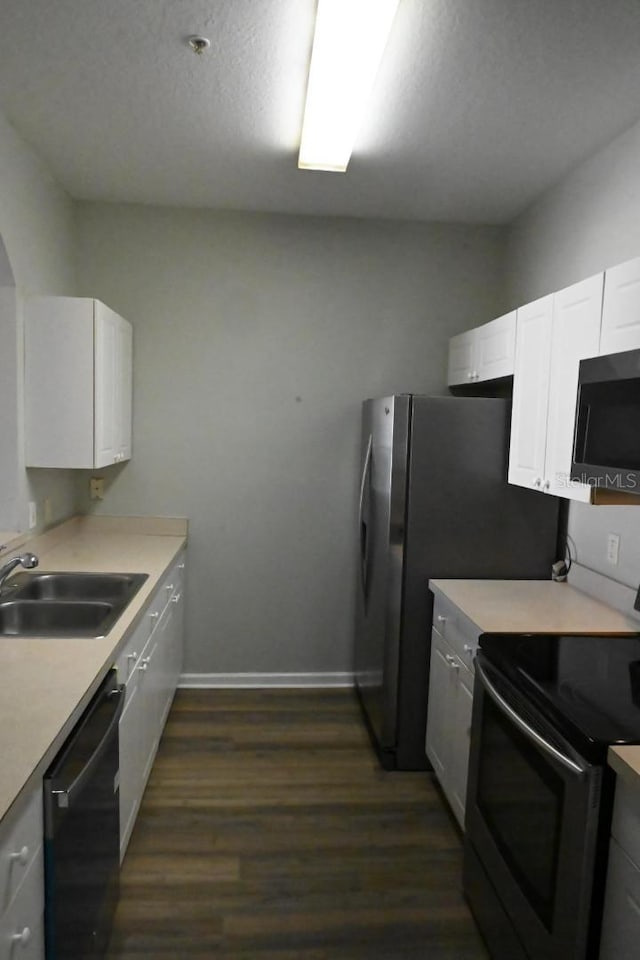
(532, 828)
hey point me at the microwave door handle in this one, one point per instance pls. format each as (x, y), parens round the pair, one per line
(528, 731)
(361, 525)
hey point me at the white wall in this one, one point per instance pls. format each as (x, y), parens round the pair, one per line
(36, 227)
(588, 222)
(255, 340)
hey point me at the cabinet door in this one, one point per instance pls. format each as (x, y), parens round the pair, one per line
(149, 687)
(461, 358)
(106, 397)
(166, 644)
(131, 759)
(124, 386)
(621, 924)
(439, 713)
(461, 741)
(59, 385)
(495, 348)
(621, 308)
(177, 641)
(576, 335)
(22, 925)
(531, 393)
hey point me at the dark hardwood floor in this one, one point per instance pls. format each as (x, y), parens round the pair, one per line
(268, 832)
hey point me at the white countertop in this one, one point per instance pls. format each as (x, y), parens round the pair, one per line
(46, 683)
(533, 606)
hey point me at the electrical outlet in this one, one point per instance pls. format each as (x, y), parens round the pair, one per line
(96, 488)
(613, 548)
(33, 514)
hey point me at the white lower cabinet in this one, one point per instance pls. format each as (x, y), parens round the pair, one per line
(150, 666)
(22, 883)
(621, 924)
(454, 641)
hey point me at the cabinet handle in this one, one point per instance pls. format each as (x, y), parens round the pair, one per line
(177, 598)
(144, 663)
(441, 619)
(467, 648)
(546, 485)
(181, 566)
(476, 376)
(21, 856)
(132, 656)
(470, 375)
(537, 481)
(453, 663)
(154, 616)
(169, 587)
(22, 938)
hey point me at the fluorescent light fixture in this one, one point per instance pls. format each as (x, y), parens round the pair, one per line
(348, 44)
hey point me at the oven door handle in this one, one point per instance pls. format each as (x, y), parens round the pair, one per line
(528, 731)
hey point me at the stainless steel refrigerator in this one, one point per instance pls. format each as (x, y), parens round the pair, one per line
(433, 502)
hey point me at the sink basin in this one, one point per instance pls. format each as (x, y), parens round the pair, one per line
(69, 618)
(74, 586)
(65, 604)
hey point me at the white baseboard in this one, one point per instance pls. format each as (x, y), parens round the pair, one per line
(247, 681)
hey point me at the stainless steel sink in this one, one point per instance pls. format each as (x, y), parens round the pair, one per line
(37, 618)
(65, 604)
(74, 586)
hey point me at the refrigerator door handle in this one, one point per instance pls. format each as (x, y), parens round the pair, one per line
(364, 539)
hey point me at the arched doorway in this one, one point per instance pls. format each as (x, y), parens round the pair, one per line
(10, 510)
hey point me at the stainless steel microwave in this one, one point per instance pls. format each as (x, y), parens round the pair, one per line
(606, 442)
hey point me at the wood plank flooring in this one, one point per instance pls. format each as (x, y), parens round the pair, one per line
(269, 832)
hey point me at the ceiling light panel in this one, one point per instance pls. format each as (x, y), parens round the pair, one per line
(349, 41)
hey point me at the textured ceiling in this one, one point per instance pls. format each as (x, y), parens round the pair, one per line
(479, 105)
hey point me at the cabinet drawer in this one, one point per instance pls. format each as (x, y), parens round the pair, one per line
(460, 632)
(22, 925)
(132, 651)
(19, 848)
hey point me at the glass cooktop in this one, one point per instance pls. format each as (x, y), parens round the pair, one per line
(587, 686)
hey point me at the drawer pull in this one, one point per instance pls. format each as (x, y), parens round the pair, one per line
(169, 587)
(132, 656)
(177, 598)
(441, 619)
(468, 648)
(144, 663)
(154, 616)
(453, 663)
(21, 856)
(181, 566)
(23, 937)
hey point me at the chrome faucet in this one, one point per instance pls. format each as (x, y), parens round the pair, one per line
(27, 560)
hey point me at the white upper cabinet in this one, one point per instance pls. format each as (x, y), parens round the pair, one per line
(78, 379)
(484, 353)
(576, 336)
(527, 450)
(553, 335)
(621, 309)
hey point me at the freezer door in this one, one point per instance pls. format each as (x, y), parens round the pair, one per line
(381, 527)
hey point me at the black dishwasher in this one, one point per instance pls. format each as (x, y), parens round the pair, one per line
(82, 832)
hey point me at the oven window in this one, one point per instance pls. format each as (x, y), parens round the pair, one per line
(521, 800)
